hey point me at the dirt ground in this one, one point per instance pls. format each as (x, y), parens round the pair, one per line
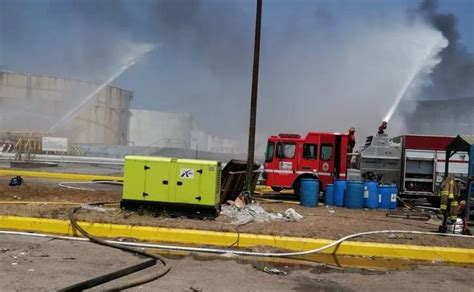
(39, 264)
(77, 168)
(320, 222)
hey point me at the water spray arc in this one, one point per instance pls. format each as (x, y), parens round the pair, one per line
(423, 65)
(141, 52)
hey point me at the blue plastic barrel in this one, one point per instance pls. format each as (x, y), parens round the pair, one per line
(329, 195)
(371, 194)
(353, 198)
(339, 189)
(393, 196)
(309, 192)
(388, 196)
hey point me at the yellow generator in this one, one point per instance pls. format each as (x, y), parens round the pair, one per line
(172, 186)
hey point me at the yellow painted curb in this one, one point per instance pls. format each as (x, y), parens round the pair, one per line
(226, 239)
(57, 175)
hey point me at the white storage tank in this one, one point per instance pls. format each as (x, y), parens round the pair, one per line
(160, 129)
(34, 103)
(199, 140)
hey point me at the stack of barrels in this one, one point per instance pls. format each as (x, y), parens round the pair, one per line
(350, 194)
(357, 194)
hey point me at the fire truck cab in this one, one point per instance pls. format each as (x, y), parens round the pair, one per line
(289, 157)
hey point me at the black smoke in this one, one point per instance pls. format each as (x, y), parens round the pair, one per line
(90, 33)
(454, 76)
(202, 55)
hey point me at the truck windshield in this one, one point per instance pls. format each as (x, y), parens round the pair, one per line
(270, 151)
(326, 152)
(286, 150)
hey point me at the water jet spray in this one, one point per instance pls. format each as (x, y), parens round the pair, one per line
(141, 51)
(423, 64)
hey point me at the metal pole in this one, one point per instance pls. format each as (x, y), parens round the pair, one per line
(253, 102)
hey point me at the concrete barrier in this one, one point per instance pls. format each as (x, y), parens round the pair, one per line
(242, 240)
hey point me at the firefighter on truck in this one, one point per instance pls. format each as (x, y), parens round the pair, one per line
(320, 155)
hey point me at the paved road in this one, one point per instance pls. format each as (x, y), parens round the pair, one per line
(33, 264)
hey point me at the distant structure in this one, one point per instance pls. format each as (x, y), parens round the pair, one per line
(203, 141)
(34, 103)
(160, 129)
(175, 130)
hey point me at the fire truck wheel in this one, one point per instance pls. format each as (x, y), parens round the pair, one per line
(277, 189)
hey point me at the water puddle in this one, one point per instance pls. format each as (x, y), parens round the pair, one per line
(317, 264)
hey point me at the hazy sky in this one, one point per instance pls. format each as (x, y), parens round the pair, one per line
(203, 55)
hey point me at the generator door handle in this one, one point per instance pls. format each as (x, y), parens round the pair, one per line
(198, 198)
(165, 182)
(180, 183)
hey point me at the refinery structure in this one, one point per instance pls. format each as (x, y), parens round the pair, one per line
(175, 130)
(332, 148)
(41, 101)
(89, 114)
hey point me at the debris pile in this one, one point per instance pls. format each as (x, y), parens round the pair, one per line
(243, 214)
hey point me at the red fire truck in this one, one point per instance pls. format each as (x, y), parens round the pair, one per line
(289, 158)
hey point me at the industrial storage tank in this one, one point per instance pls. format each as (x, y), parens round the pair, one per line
(199, 139)
(38, 103)
(203, 141)
(223, 145)
(160, 129)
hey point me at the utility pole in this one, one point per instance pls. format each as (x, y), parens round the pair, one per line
(253, 103)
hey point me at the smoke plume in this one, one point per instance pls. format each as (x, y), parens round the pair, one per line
(454, 76)
(325, 66)
(444, 105)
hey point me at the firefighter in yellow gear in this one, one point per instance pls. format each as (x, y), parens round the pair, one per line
(449, 192)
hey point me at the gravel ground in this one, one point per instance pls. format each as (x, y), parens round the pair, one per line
(320, 222)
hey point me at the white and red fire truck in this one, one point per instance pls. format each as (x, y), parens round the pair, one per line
(289, 157)
(414, 162)
(423, 163)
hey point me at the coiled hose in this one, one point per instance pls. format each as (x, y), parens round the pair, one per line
(120, 273)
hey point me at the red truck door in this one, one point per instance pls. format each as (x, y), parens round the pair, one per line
(326, 157)
(308, 162)
(286, 159)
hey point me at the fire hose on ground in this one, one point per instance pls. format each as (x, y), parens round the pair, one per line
(239, 252)
(68, 184)
(138, 248)
(154, 259)
(227, 251)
